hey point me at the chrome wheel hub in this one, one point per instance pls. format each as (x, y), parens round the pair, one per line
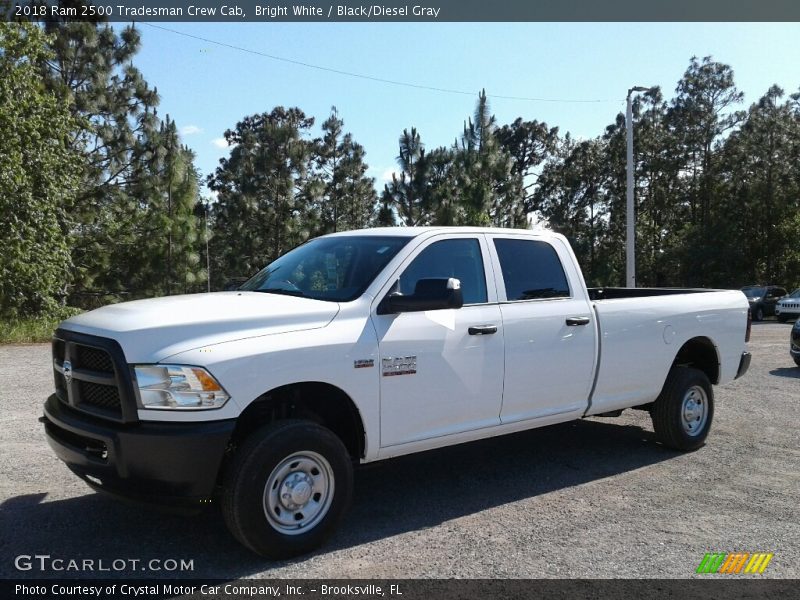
(296, 490)
(694, 410)
(298, 493)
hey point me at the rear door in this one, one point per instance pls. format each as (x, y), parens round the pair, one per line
(548, 326)
(440, 373)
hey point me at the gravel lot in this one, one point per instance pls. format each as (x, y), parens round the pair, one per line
(591, 499)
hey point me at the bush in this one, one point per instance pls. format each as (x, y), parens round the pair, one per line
(30, 330)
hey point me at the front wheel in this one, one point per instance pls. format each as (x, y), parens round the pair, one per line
(287, 488)
(759, 314)
(683, 412)
(783, 318)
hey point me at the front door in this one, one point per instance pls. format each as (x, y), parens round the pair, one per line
(442, 370)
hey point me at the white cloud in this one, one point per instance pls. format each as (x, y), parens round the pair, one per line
(386, 175)
(220, 142)
(190, 130)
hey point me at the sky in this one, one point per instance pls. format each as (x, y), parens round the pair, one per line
(207, 88)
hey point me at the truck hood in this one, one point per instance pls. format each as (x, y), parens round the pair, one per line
(153, 330)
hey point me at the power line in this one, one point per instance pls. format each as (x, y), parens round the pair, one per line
(368, 77)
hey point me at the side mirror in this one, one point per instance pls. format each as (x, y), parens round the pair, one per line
(429, 294)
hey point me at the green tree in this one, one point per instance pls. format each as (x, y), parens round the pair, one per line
(571, 197)
(38, 173)
(405, 192)
(91, 68)
(759, 194)
(488, 191)
(701, 114)
(262, 205)
(344, 194)
(163, 254)
(529, 143)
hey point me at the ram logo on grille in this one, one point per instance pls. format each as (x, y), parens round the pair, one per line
(67, 366)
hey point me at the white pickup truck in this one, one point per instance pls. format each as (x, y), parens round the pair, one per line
(364, 345)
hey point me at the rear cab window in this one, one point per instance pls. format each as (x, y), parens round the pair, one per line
(531, 270)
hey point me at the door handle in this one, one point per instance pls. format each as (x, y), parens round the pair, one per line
(573, 321)
(482, 329)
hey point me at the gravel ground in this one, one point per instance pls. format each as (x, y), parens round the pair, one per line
(591, 499)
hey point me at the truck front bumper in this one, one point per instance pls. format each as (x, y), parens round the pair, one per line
(166, 463)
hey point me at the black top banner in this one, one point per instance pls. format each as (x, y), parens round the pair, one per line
(402, 11)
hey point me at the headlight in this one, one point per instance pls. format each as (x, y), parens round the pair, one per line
(178, 387)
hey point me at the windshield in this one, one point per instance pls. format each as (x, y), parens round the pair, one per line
(336, 269)
(754, 292)
(795, 294)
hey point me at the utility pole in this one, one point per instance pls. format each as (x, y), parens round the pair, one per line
(630, 237)
(208, 257)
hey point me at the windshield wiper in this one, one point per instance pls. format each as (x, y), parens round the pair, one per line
(283, 292)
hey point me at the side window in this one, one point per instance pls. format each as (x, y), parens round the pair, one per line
(461, 259)
(531, 270)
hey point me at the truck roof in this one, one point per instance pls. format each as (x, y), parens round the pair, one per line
(416, 231)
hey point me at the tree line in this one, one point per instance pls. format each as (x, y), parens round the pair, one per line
(100, 200)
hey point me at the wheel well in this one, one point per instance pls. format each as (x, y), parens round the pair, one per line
(700, 353)
(322, 403)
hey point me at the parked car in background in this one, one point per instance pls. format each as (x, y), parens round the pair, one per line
(788, 307)
(794, 342)
(763, 299)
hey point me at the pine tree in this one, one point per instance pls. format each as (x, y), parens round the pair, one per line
(262, 202)
(345, 195)
(38, 177)
(90, 67)
(405, 192)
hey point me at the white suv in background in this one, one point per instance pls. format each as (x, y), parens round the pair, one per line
(788, 307)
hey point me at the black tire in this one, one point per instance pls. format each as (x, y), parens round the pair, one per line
(797, 361)
(783, 318)
(759, 314)
(683, 396)
(264, 455)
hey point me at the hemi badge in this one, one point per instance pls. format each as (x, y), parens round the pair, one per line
(364, 363)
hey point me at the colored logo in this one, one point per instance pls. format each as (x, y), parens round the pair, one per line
(735, 562)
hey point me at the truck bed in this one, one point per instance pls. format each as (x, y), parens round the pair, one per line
(641, 330)
(612, 293)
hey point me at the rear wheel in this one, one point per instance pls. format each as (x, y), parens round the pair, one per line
(683, 412)
(759, 314)
(287, 488)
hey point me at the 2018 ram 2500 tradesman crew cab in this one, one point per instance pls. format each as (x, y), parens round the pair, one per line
(360, 346)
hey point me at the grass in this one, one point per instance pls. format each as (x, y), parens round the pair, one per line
(30, 330)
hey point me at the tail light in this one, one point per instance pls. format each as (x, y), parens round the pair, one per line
(749, 324)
